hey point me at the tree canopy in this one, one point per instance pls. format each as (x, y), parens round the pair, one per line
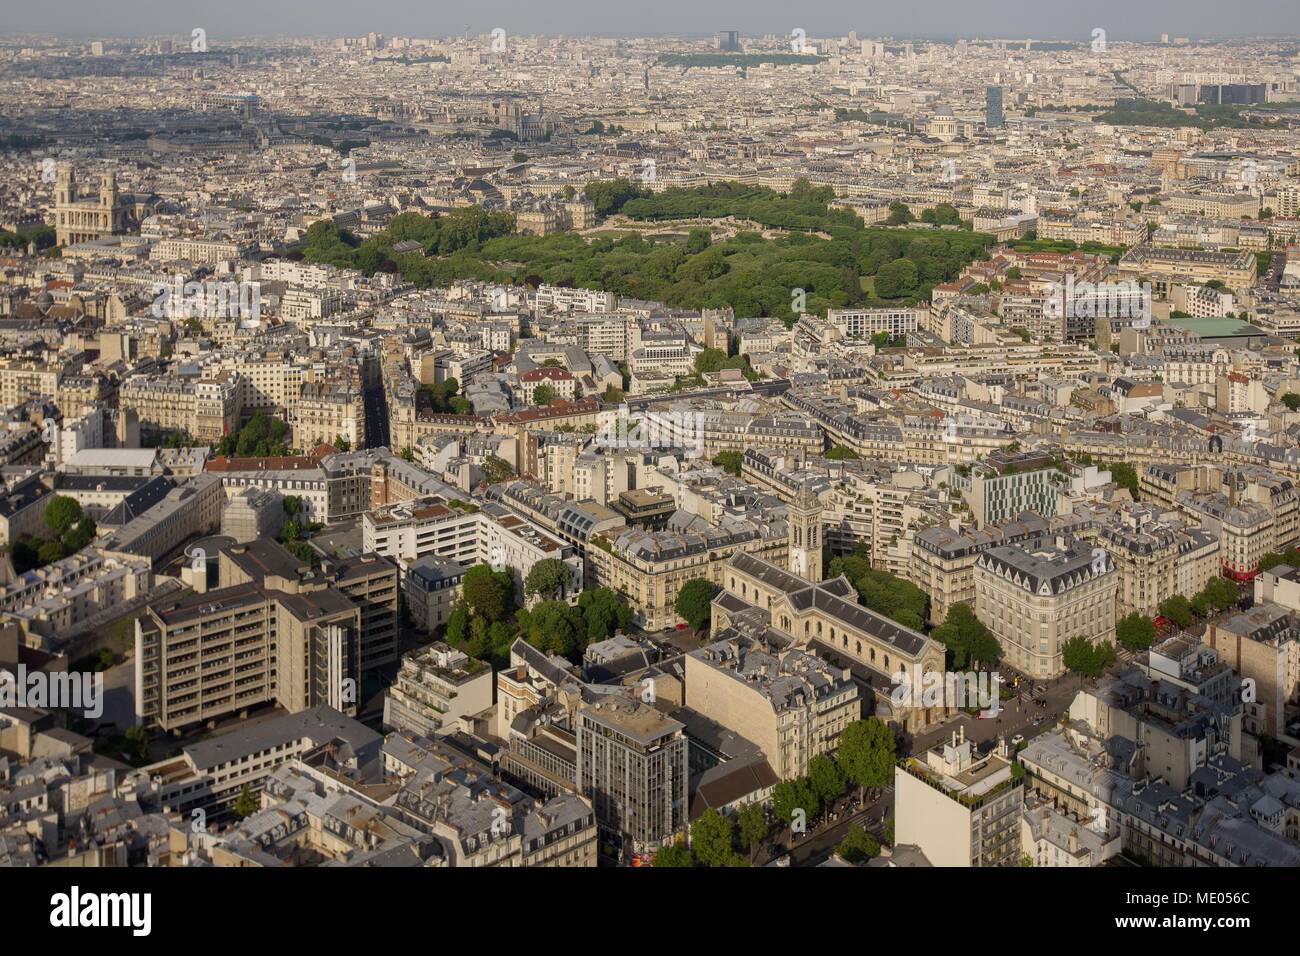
(967, 639)
(866, 752)
(858, 845)
(695, 602)
(1083, 657)
(488, 593)
(549, 578)
(827, 253)
(1136, 632)
(261, 437)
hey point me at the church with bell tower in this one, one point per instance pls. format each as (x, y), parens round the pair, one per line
(79, 218)
(805, 534)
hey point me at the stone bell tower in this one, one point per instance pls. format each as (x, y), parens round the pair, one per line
(805, 534)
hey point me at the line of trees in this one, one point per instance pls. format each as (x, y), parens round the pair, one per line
(864, 758)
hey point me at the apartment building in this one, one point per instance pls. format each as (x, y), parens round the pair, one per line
(1201, 302)
(1174, 729)
(960, 809)
(369, 581)
(864, 323)
(421, 527)
(632, 766)
(268, 381)
(55, 600)
(879, 513)
(468, 534)
(480, 820)
(328, 411)
(20, 382)
(1114, 230)
(789, 702)
(1145, 554)
(604, 335)
(556, 461)
(432, 588)
(202, 657)
(76, 392)
(163, 406)
(1003, 484)
(1053, 838)
(318, 810)
(532, 679)
(197, 251)
(23, 446)
(210, 774)
(1246, 529)
(917, 441)
(22, 509)
(1038, 595)
(550, 298)
(1198, 561)
(679, 426)
(942, 560)
(306, 306)
(1263, 646)
(436, 686)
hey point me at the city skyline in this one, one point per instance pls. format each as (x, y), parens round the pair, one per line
(708, 443)
(1017, 21)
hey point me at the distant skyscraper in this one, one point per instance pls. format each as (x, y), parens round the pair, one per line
(993, 118)
(729, 41)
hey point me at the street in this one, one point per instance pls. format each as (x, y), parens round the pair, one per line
(376, 403)
(812, 848)
(1017, 716)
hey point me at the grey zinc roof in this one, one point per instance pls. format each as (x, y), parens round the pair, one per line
(319, 724)
(1033, 568)
(836, 598)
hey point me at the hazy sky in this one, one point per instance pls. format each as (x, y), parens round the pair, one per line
(1122, 19)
